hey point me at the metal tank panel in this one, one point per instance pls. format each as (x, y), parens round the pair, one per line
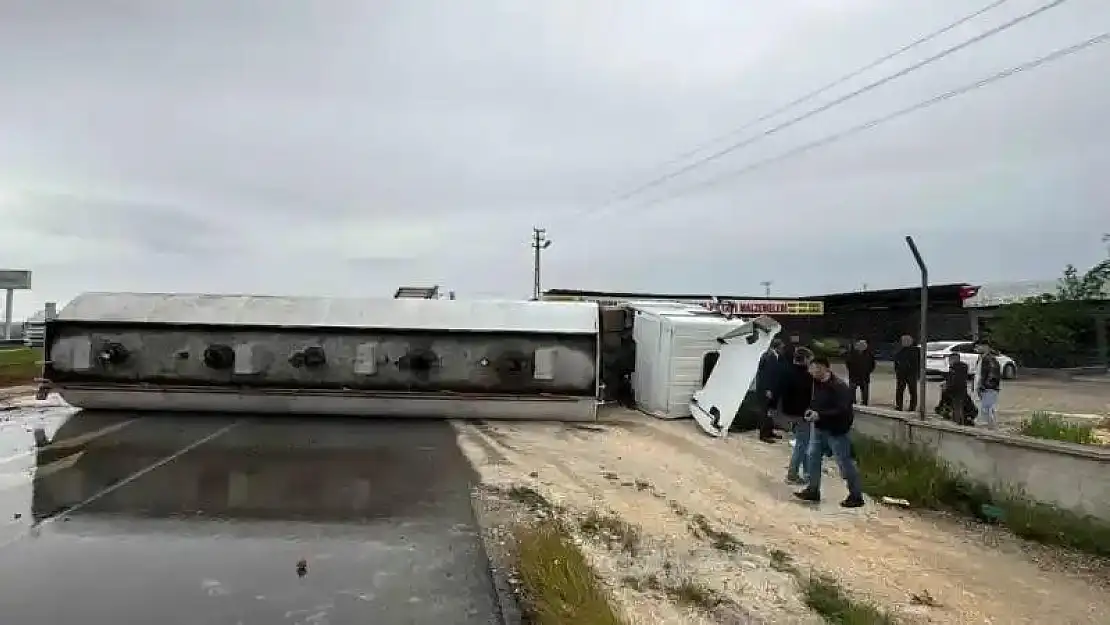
(281, 354)
(327, 312)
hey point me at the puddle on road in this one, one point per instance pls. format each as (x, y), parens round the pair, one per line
(211, 513)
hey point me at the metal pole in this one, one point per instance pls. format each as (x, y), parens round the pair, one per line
(923, 330)
(766, 288)
(536, 264)
(9, 296)
(540, 242)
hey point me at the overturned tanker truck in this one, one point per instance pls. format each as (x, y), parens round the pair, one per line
(328, 356)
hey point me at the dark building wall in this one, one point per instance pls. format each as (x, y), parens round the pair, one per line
(881, 317)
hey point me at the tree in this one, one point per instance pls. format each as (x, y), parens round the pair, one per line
(1045, 330)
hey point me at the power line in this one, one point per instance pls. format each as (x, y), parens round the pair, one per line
(844, 134)
(843, 79)
(804, 116)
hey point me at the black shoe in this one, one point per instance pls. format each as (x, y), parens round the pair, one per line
(768, 439)
(852, 502)
(796, 480)
(808, 495)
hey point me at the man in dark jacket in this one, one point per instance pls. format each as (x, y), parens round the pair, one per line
(861, 364)
(955, 394)
(795, 392)
(793, 342)
(766, 383)
(830, 411)
(907, 371)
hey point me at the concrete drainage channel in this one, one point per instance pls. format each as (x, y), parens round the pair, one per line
(241, 520)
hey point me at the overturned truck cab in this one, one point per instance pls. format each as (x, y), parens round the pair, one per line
(315, 355)
(715, 406)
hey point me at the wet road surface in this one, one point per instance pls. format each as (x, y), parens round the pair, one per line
(195, 519)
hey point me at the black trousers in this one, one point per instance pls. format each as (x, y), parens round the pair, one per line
(864, 387)
(901, 385)
(766, 421)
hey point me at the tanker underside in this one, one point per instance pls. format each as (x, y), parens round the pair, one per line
(324, 371)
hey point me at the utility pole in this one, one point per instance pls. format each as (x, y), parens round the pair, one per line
(540, 242)
(766, 288)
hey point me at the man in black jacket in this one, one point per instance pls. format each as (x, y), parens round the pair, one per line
(954, 393)
(830, 412)
(794, 341)
(766, 384)
(795, 393)
(907, 371)
(861, 364)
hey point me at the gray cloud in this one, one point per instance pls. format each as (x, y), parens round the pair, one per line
(347, 147)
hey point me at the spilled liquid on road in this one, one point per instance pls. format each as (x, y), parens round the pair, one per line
(210, 519)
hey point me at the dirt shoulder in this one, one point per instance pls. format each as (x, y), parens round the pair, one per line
(672, 482)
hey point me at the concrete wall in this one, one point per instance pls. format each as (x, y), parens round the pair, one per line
(1066, 475)
(379, 361)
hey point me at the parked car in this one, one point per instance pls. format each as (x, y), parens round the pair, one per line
(937, 353)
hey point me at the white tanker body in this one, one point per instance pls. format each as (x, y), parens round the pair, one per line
(340, 356)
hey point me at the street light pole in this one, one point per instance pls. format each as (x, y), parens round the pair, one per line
(923, 330)
(766, 288)
(540, 242)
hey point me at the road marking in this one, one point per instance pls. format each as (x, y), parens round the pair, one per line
(125, 481)
(80, 439)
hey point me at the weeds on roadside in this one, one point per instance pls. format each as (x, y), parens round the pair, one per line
(824, 595)
(1054, 427)
(613, 529)
(781, 561)
(558, 585)
(684, 592)
(916, 475)
(530, 498)
(721, 540)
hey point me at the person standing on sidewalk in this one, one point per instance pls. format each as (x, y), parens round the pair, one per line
(861, 364)
(988, 383)
(907, 371)
(830, 411)
(795, 393)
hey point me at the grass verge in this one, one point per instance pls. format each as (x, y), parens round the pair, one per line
(919, 477)
(824, 595)
(557, 584)
(1056, 428)
(19, 366)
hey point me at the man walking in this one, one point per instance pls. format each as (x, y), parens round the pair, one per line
(766, 384)
(795, 393)
(907, 369)
(830, 411)
(861, 364)
(988, 383)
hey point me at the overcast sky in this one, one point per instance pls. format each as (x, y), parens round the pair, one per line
(343, 147)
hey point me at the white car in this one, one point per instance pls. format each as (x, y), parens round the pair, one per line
(937, 353)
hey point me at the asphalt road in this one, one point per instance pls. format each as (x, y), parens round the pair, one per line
(196, 519)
